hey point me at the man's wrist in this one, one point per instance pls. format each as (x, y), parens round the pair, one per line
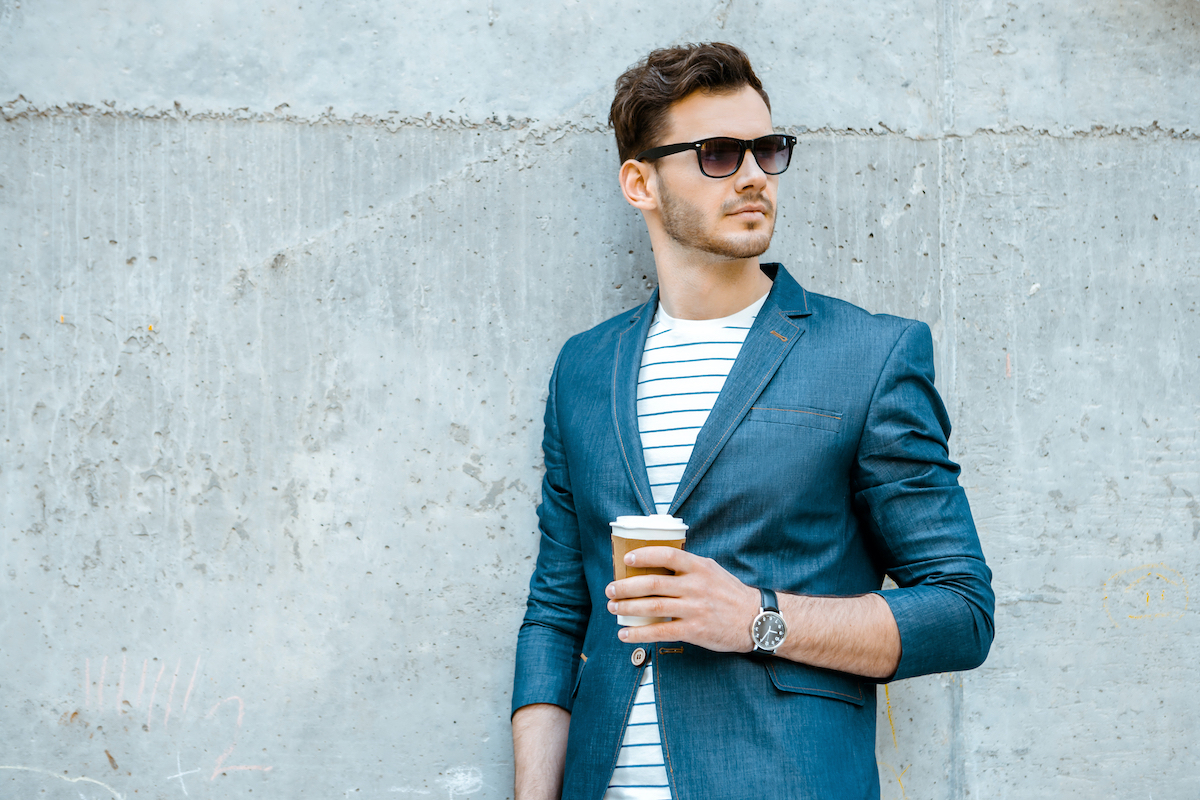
(769, 630)
(746, 623)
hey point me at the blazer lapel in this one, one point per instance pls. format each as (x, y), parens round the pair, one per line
(630, 343)
(780, 323)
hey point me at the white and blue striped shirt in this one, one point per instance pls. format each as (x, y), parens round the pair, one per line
(684, 366)
(641, 772)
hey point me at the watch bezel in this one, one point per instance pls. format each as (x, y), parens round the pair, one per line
(759, 646)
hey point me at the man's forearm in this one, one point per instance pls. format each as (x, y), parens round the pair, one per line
(848, 634)
(711, 608)
(540, 750)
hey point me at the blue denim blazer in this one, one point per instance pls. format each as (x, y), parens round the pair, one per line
(822, 467)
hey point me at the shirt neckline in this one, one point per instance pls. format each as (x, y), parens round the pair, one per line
(737, 319)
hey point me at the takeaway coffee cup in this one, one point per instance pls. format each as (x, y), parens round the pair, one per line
(630, 533)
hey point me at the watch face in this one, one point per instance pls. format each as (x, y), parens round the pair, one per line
(769, 630)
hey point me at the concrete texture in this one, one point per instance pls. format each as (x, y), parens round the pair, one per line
(282, 288)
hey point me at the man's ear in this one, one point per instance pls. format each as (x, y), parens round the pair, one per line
(636, 179)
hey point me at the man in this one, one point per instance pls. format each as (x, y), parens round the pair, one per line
(800, 439)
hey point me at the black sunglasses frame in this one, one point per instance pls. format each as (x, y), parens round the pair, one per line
(746, 144)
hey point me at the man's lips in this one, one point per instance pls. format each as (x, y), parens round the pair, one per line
(751, 209)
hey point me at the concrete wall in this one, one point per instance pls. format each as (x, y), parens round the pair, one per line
(281, 291)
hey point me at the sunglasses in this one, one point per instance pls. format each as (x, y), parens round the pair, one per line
(721, 156)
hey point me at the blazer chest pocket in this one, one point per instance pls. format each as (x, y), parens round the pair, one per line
(805, 416)
(788, 676)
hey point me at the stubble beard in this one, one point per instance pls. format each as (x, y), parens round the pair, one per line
(685, 224)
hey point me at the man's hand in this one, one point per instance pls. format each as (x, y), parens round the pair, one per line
(711, 608)
(714, 610)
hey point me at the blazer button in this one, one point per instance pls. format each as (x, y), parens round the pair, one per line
(638, 657)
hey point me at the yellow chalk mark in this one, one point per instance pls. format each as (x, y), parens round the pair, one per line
(899, 775)
(62, 317)
(150, 327)
(50, 774)
(1129, 584)
(887, 696)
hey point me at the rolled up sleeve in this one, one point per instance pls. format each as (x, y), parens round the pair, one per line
(918, 518)
(557, 612)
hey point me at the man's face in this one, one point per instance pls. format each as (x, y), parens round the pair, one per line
(731, 217)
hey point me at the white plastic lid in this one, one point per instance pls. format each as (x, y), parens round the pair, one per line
(654, 522)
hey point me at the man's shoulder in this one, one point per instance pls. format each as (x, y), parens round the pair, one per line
(841, 316)
(833, 316)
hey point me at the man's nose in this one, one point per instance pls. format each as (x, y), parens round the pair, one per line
(750, 174)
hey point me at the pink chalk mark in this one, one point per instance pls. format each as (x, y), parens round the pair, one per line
(234, 768)
(191, 683)
(142, 685)
(87, 682)
(171, 696)
(154, 693)
(121, 686)
(218, 768)
(100, 687)
(242, 767)
(1008, 365)
(241, 709)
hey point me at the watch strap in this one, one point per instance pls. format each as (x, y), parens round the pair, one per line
(769, 601)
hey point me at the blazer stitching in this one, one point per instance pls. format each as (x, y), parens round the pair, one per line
(578, 678)
(662, 724)
(775, 677)
(617, 421)
(625, 720)
(794, 411)
(820, 691)
(757, 390)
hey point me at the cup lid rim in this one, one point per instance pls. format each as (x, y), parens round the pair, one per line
(654, 522)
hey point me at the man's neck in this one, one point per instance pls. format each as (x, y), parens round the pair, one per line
(710, 289)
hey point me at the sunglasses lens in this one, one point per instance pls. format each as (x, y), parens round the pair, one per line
(773, 153)
(719, 158)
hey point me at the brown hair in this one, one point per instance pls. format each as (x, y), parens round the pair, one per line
(647, 89)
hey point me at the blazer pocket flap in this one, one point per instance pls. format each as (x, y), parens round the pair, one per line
(788, 676)
(807, 416)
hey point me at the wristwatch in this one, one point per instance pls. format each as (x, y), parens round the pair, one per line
(768, 629)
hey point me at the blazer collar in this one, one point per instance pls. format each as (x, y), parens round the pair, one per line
(785, 293)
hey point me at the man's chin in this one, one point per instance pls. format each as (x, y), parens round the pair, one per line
(740, 245)
(749, 247)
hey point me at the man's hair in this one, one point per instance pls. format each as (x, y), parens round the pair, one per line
(647, 89)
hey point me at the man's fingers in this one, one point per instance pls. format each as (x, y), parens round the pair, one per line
(647, 607)
(655, 632)
(670, 557)
(644, 586)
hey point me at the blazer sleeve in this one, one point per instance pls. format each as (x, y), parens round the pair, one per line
(557, 612)
(918, 520)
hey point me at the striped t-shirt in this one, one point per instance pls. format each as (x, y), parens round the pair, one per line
(684, 366)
